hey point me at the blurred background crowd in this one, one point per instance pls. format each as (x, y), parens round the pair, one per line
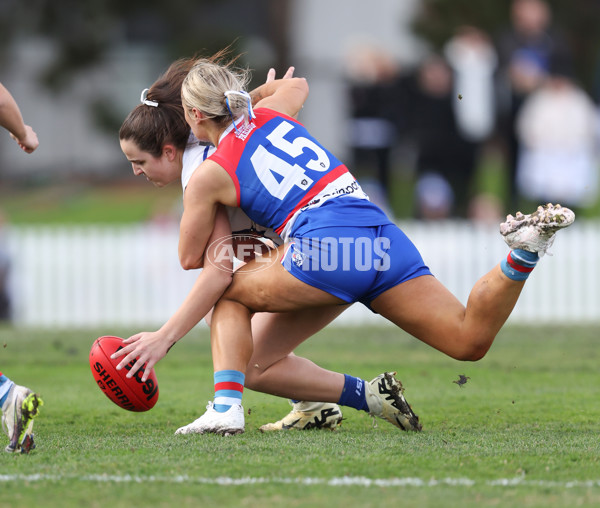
(444, 109)
(514, 96)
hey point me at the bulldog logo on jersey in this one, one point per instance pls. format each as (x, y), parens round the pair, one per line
(297, 256)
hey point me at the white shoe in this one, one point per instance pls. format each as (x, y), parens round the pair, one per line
(212, 422)
(18, 411)
(535, 232)
(308, 415)
(385, 400)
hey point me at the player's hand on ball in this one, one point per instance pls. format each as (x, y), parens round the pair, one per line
(145, 348)
(130, 393)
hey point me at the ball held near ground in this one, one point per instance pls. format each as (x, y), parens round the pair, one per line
(129, 393)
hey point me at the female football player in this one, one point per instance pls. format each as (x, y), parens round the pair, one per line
(339, 248)
(156, 139)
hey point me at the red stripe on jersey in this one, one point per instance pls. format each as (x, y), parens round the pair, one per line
(230, 168)
(519, 268)
(272, 114)
(229, 385)
(318, 187)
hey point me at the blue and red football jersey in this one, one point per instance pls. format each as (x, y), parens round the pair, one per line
(279, 169)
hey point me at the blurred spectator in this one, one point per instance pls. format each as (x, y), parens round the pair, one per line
(434, 197)
(5, 303)
(445, 160)
(486, 209)
(596, 81)
(373, 76)
(473, 59)
(556, 130)
(525, 50)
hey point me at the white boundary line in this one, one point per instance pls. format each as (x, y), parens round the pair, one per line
(345, 481)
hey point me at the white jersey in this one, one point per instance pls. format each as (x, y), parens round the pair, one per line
(195, 154)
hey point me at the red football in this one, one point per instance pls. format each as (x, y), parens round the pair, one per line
(130, 394)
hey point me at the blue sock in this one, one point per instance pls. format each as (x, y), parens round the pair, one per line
(519, 264)
(5, 385)
(229, 386)
(353, 394)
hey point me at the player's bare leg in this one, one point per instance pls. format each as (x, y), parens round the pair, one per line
(432, 314)
(287, 330)
(421, 306)
(298, 378)
(282, 293)
(275, 336)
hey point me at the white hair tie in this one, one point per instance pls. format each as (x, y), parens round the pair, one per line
(246, 96)
(144, 99)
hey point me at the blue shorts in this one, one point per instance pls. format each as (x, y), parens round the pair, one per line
(354, 263)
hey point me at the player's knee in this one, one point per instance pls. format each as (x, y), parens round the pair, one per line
(476, 354)
(248, 296)
(472, 351)
(253, 377)
(250, 379)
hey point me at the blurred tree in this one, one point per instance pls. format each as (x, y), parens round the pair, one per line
(83, 32)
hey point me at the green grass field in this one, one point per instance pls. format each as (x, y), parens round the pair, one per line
(117, 202)
(523, 431)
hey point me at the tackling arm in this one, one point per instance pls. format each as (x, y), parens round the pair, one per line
(209, 186)
(212, 282)
(150, 347)
(284, 95)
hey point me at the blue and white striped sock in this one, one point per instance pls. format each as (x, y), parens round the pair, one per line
(229, 386)
(5, 385)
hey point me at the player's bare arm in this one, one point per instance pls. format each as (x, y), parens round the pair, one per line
(151, 347)
(284, 95)
(209, 186)
(12, 120)
(259, 93)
